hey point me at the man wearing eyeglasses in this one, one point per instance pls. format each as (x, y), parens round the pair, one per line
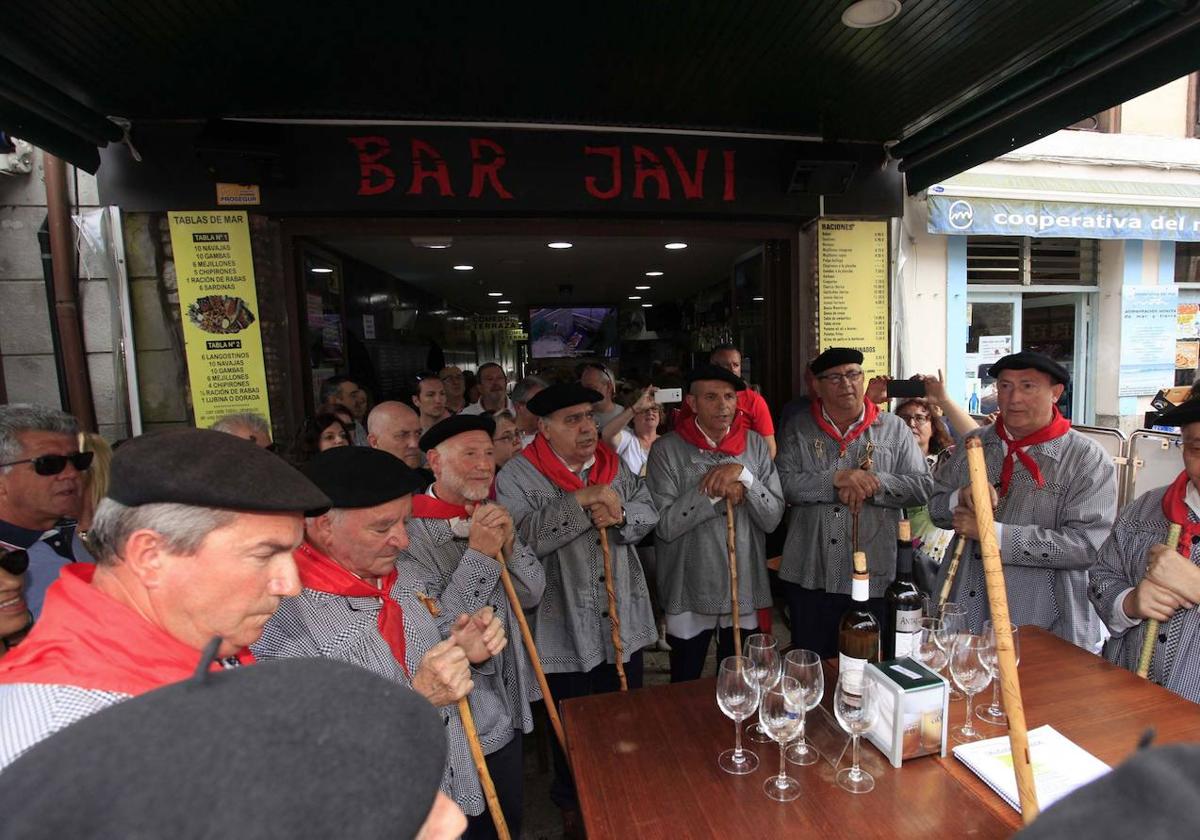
(842, 462)
(41, 490)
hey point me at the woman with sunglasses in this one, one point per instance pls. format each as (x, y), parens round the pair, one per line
(15, 618)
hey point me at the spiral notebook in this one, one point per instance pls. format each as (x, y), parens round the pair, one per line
(1059, 765)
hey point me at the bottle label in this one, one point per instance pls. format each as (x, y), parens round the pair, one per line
(849, 663)
(908, 621)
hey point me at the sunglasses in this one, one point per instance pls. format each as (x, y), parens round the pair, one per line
(54, 464)
(14, 560)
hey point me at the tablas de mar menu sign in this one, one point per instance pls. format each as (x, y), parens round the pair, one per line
(218, 303)
(852, 271)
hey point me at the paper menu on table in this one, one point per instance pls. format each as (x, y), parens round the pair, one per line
(1059, 765)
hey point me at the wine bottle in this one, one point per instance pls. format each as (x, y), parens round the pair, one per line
(902, 600)
(858, 633)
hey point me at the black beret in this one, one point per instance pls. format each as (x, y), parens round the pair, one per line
(704, 373)
(834, 357)
(1180, 415)
(549, 400)
(443, 430)
(1029, 360)
(284, 748)
(362, 477)
(208, 469)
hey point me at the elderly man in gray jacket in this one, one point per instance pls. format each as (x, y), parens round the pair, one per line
(695, 474)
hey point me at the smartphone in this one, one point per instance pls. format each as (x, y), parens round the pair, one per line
(905, 388)
(668, 395)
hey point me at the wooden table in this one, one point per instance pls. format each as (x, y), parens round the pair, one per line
(646, 762)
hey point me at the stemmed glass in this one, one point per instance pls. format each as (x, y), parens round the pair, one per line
(954, 621)
(804, 666)
(737, 695)
(854, 704)
(931, 644)
(995, 713)
(969, 667)
(781, 714)
(763, 652)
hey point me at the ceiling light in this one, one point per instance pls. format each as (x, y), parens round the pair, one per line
(654, 274)
(504, 302)
(560, 246)
(435, 242)
(635, 297)
(647, 305)
(675, 246)
(642, 288)
(864, 14)
(501, 311)
(757, 298)
(321, 270)
(464, 268)
(495, 294)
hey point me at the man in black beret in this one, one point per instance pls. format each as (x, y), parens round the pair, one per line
(249, 753)
(560, 490)
(1138, 576)
(453, 557)
(193, 540)
(353, 606)
(1056, 500)
(842, 462)
(710, 463)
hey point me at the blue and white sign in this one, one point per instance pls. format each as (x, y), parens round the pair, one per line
(1020, 217)
(1148, 315)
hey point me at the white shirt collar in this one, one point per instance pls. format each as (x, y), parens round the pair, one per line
(1192, 497)
(862, 415)
(587, 465)
(711, 442)
(459, 526)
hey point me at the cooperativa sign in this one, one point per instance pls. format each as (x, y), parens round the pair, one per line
(1001, 217)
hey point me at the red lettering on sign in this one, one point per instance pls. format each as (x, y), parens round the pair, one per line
(693, 183)
(642, 172)
(374, 177)
(489, 169)
(440, 172)
(589, 181)
(729, 194)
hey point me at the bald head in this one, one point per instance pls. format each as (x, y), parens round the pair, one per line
(396, 428)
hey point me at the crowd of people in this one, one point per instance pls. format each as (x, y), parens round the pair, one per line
(381, 536)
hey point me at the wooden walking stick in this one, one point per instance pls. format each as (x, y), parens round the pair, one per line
(468, 723)
(1147, 655)
(613, 619)
(1010, 685)
(949, 582)
(731, 544)
(865, 464)
(531, 649)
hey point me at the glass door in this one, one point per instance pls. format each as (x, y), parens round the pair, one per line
(1057, 325)
(993, 331)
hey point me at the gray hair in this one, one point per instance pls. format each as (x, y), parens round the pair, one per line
(24, 417)
(520, 391)
(230, 423)
(184, 527)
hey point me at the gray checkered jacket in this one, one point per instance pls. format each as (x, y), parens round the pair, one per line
(690, 540)
(818, 552)
(572, 630)
(1050, 534)
(30, 712)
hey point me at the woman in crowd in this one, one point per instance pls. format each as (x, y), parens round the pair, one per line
(15, 618)
(633, 444)
(325, 431)
(506, 441)
(95, 480)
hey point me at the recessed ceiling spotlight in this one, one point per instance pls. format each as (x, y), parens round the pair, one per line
(647, 305)
(864, 14)
(437, 243)
(560, 246)
(321, 270)
(654, 274)
(675, 246)
(504, 302)
(635, 297)
(501, 311)
(642, 288)
(495, 294)
(464, 268)
(757, 298)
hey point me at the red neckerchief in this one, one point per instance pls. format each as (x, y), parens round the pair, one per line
(87, 639)
(320, 573)
(734, 442)
(741, 417)
(1175, 508)
(425, 506)
(552, 467)
(870, 412)
(1056, 428)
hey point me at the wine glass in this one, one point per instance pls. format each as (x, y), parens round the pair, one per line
(969, 667)
(763, 652)
(995, 713)
(804, 666)
(737, 695)
(930, 645)
(781, 713)
(954, 621)
(854, 705)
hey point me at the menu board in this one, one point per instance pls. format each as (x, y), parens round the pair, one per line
(218, 302)
(852, 290)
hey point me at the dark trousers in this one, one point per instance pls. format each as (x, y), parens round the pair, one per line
(600, 680)
(688, 655)
(816, 614)
(507, 768)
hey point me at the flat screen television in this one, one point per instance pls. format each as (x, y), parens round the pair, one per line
(569, 332)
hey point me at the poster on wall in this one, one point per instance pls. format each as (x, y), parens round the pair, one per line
(1149, 317)
(852, 278)
(218, 302)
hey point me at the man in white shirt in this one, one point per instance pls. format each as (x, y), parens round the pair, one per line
(493, 391)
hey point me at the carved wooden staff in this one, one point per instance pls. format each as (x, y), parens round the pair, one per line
(949, 582)
(1010, 685)
(531, 649)
(468, 722)
(731, 544)
(865, 464)
(1147, 656)
(613, 619)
